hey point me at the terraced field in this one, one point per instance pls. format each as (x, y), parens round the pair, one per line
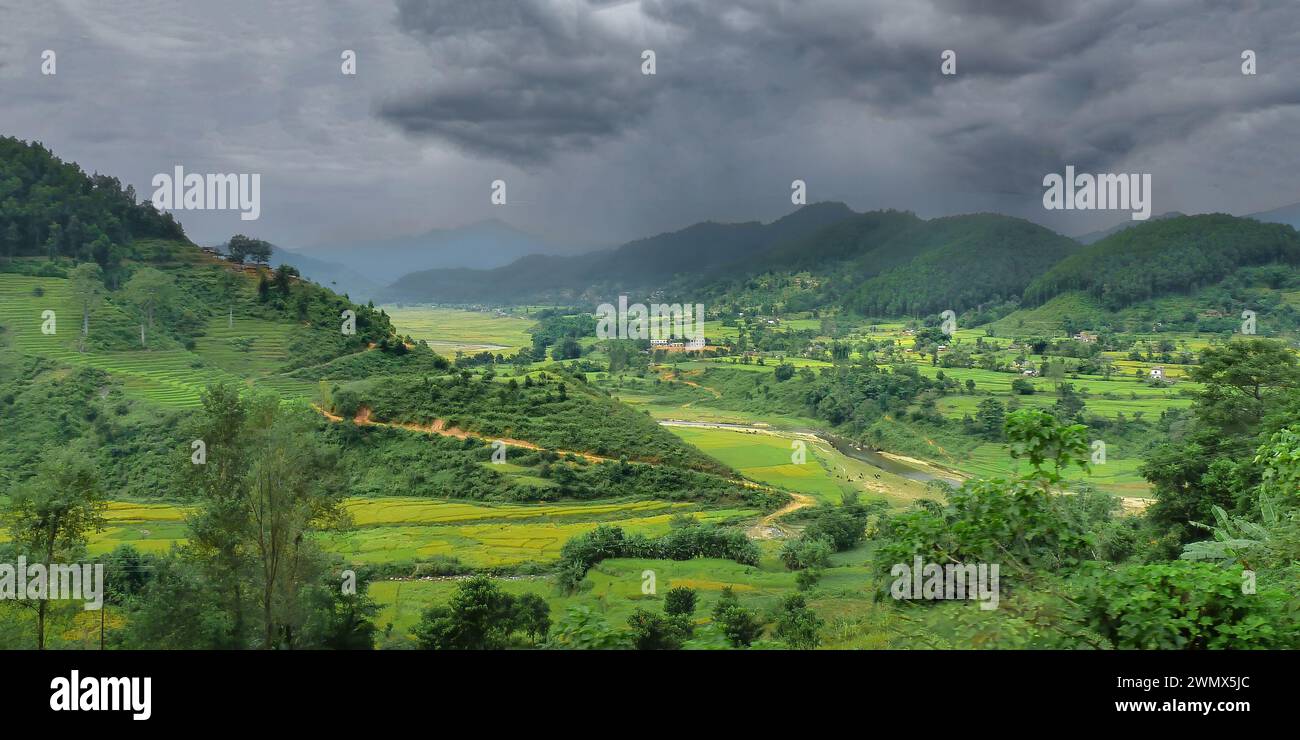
(246, 347)
(170, 377)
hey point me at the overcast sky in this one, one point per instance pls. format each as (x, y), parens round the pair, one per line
(548, 95)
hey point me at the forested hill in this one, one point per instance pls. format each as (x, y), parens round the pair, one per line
(961, 262)
(1173, 255)
(52, 208)
(83, 245)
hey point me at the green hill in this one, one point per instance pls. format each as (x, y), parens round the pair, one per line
(963, 261)
(1175, 255)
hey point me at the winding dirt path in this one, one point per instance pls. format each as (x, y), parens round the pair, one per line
(439, 427)
(768, 528)
(667, 376)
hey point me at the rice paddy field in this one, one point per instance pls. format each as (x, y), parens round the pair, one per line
(448, 331)
(400, 529)
(825, 474)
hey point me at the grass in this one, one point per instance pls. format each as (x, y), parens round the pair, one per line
(613, 589)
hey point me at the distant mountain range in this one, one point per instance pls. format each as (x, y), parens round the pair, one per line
(881, 263)
(1289, 215)
(361, 268)
(701, 250)
(878, 263)
(871, 261)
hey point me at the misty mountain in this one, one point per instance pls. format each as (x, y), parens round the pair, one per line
(702, 249)
(338, 278)
(483, 245)
(1289, 215)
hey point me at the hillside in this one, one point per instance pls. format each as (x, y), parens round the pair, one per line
(52, 208)
(180, 321)
(1159, 258)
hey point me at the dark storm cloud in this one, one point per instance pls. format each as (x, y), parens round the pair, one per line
(750, 94)
(1039, 82)
(530, 79)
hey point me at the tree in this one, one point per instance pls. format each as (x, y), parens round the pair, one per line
(151, 291)
(798, 625)
(229, 282)
(283, 277)
(990, 418)
(50, 515)
(266, 486)
(338, 620)
(290, 492)
(1040, 437)
(583, 629)
(741, 626)
(1249, 387)
(218, 526)
(480, 616)
(652, 631)
(87, 286)
(1242, 379)
(806, 552)
(567, 349)
(241, 247)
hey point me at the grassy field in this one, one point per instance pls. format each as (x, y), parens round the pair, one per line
(448, 331)
(614, 591)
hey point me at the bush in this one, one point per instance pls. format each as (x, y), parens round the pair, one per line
(652, 631)
(1184, 606)
(680, 601)
(798, 625)
(741, 626)
(806, 553)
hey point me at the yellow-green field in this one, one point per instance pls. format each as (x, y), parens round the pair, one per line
(448, 331)
(825, 473)
(397, 529)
